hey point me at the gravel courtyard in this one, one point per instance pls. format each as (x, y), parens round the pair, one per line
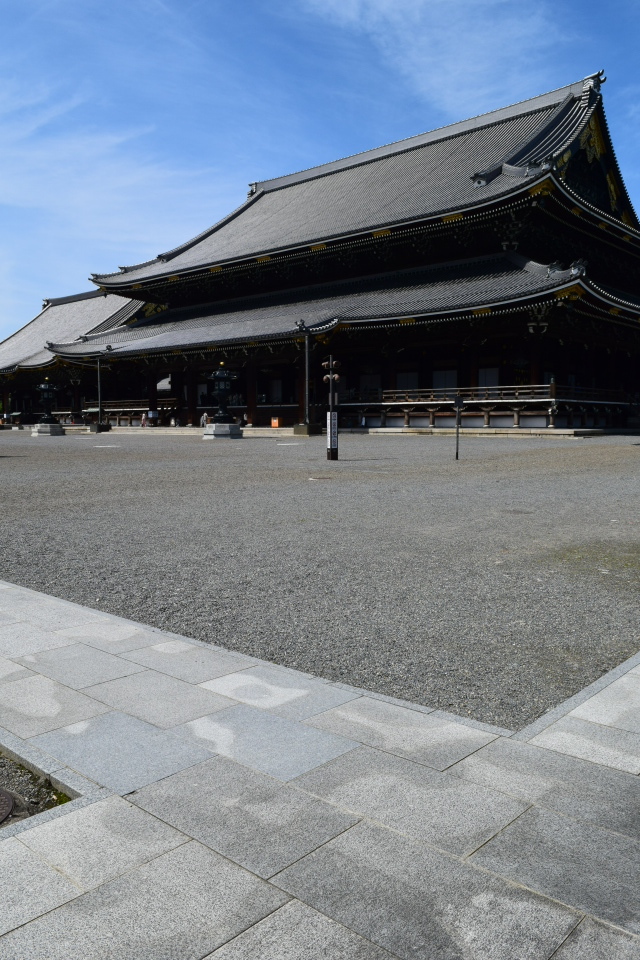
(494, 587)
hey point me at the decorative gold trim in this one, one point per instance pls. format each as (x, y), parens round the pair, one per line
(571, 293)
(263, 259)
(317, 247)
(481, 311)
(452, 216)
(406, 320)
(543, 189)
(381, 233)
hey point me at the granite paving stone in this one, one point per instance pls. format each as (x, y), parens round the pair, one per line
(593, 870)
(257, 821)
(596, 941)
(101, 841)
(78, 665)
(36, 704)
(413, 799)
(44, 611)
(111, 634)
(281, 692)
(282, 748)
(19, 639)
(157, 698)
(586, 791)
(121, 752)
(592, 741)
(10, 670)
(188, 661)
(29, 887)
(416, 902)
(618, 705)
(6, 617)
(180, 906)
(296, 932)
(422, 737)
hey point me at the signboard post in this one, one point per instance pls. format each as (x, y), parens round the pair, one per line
(331, 377)
(458, 404)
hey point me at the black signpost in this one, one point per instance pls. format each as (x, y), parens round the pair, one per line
(458, 404)
(331, 377)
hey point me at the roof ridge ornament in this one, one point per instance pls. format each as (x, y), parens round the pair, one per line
(555, 268)
(578, 268)
(594, 82)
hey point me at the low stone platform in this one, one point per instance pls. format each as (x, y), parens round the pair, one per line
(227, 808)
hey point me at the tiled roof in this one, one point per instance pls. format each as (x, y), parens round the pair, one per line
(64, 318)
(426, 291)
(416, 178)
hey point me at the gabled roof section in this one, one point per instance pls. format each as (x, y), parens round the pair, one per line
(63, 318)
(461, 166)
(417, 295)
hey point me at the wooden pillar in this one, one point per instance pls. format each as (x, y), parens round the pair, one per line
(252, 394)
(300, 391)
(192, 400)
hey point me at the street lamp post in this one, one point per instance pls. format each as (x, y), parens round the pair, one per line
(302, 327)
(458, 403)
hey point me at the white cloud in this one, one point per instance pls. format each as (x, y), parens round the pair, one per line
(76, 200)
(462, 56)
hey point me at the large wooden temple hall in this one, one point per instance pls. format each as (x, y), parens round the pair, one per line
(496, 259)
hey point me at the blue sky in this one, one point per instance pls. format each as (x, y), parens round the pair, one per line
(128, 126)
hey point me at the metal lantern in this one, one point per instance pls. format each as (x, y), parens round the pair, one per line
(222, 380)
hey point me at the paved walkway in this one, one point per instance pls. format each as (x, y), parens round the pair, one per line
(230, 809)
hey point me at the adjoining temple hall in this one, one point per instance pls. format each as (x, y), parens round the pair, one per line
(493, 260)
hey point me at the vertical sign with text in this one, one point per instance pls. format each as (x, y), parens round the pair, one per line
(332, 431)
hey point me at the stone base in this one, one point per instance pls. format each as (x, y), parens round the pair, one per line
(229, 431)
(307, 429)
(47, 430)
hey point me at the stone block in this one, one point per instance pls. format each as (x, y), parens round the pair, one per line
(29, 887)
(590, 869)
(282, 748)
(413, 799)
(121, 752)
(415, 902)
(37, 704)
(157, 698)
(296, 932)
(425, 738)
(78, 665)
(258, 822)
(281, 692)
(582, 790)
(188, 661)
(101, 841)
(182, 904)
(592, 741)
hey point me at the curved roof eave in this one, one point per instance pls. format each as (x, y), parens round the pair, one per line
(522, 187)
(572, 106)
(568, 284)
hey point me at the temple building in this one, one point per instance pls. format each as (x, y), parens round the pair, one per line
(496, 259)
